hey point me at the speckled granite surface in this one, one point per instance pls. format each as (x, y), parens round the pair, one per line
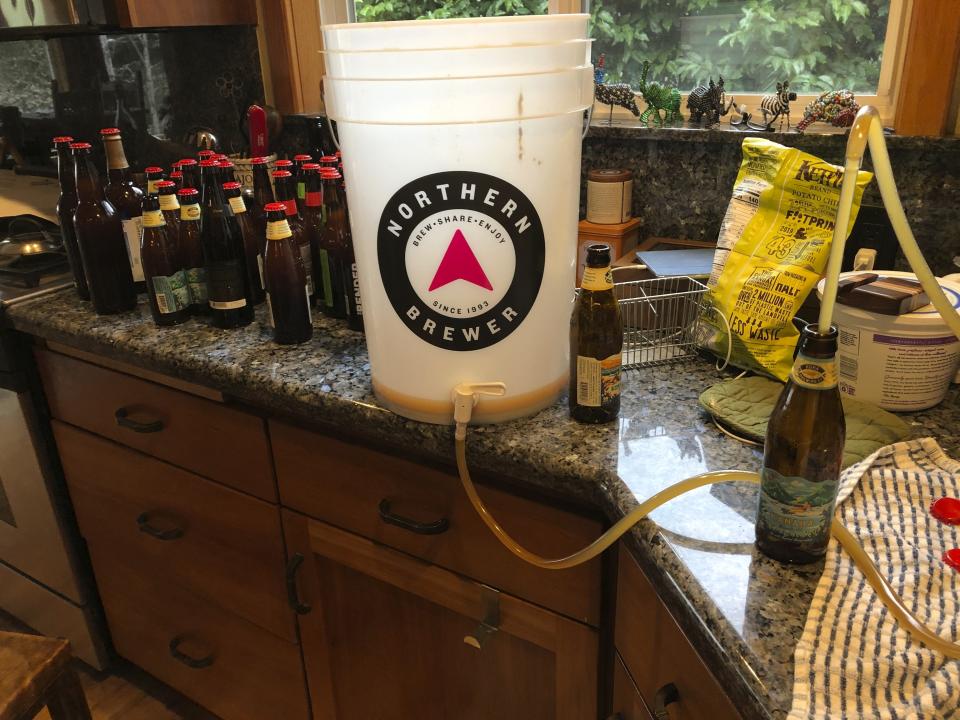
(743, 612)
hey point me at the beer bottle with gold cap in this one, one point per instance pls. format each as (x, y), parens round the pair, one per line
(167, 288)
(125, 197)
(288, 298)
(191, 250)
(66, 204)
(802, 455)
(100, 236)
(596, 343)
(251, 243)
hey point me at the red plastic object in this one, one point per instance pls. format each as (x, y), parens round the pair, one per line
(952, 558)
(257, 129)
(946, 510)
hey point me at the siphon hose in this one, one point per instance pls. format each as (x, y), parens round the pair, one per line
(887, 594)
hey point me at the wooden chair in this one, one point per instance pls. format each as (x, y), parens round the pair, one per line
(35, 672)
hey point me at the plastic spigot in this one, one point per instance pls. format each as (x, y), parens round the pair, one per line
(465, 398)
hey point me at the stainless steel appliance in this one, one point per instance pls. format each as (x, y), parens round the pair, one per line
(44, 581)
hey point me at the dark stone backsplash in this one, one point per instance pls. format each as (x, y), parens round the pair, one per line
(683, 179)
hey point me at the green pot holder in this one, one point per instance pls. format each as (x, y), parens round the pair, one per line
(743, 407)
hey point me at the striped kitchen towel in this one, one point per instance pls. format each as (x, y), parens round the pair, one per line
(853, 660)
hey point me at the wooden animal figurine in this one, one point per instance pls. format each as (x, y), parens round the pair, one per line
(707, 100)
(612, 93)
(776, 106)
(836, 107)
(659, 97)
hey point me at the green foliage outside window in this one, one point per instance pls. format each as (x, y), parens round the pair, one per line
(815, 44)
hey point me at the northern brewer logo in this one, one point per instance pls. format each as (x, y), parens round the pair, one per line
(461, 257)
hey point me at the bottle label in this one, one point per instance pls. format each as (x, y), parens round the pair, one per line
(814, 373)
(236, 203)
(225, 285)
(197, 285)
(132, 229)
(153, 218)
(597, 278)
(358, 304)
(794, 508)
(291, 206)
(278, 230)
(152, 187)
(190, 212)
(170, 202)
(598, 381)
(270, 321)
(325, 278)
(301, 190)
(314, 199)
(172, 292)
(307, 258)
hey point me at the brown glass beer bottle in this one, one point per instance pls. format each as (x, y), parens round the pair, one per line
(251, 242)
(125, 197)
(191, 249)
(288, 302)
(287, 194)
(167, 288)
(66, 204)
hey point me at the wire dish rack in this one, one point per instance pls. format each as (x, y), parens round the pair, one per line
(659, 317)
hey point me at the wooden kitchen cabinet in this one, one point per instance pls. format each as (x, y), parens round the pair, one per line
(386, 635)
(184, 13)
(668, 672)
(628, 704)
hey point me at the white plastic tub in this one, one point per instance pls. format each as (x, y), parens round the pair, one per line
(900, 363)
(456, 33)
(464, 100)
(457, 63)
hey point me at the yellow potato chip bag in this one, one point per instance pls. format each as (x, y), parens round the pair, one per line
(773, 248)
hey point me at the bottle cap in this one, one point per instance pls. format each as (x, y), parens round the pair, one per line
(224, 164)
(174, 174)
(329, 174)
(80, 146)
(310, 166)
(338, 154)
(275, 207)
(186, 161)
(206, 154)
(62, 139)
(814, 344)
(187, 192)
(302, 157)
(231, 186)
(259, 161)
(284, 163)
(153, 169)
(598, 255)
(110, 131)
(208, 163)
(282, 174)
(330, 159)
(166, 184)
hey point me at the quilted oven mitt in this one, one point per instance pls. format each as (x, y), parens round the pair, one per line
(743, 405)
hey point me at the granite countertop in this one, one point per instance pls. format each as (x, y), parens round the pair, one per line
(742, 611)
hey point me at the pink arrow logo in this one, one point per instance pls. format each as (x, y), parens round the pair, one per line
(459, 263)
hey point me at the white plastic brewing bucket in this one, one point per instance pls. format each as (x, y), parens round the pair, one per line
(448, 139)
(456, 33)
(457, 63)
(480, 99)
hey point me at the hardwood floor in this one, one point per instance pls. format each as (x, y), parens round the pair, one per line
(125, 692)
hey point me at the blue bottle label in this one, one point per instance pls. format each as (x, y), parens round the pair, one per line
(794, 508)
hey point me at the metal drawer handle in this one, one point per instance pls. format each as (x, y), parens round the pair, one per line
(190, 662)
(666, 695)
(300, 608)
(432, 528)
(122, 416)
(143, 522)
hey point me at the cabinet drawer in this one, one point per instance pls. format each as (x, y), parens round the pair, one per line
(226, 664)
(627, 702)
(373, 494)
(656, 652)
(221, 544)
(210, 439)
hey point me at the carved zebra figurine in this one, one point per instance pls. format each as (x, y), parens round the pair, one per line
(707, 100)
(777, 106)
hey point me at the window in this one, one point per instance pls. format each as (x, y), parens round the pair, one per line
(376, 10)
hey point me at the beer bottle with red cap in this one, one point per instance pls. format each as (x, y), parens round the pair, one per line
(288, 298)
(287, 194)
(66, 204)
(176, 177)
(226, 170)
(312, 215)
(262, 194)
(154, 175)
(168, 292)
(284, 165)
(191, 249)
(300, 178)
(100, 237)
(331, 247)
(228, 289)
(125, 197)
(205, 154)
(191, 173)
(252, 244)
(169, 205)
